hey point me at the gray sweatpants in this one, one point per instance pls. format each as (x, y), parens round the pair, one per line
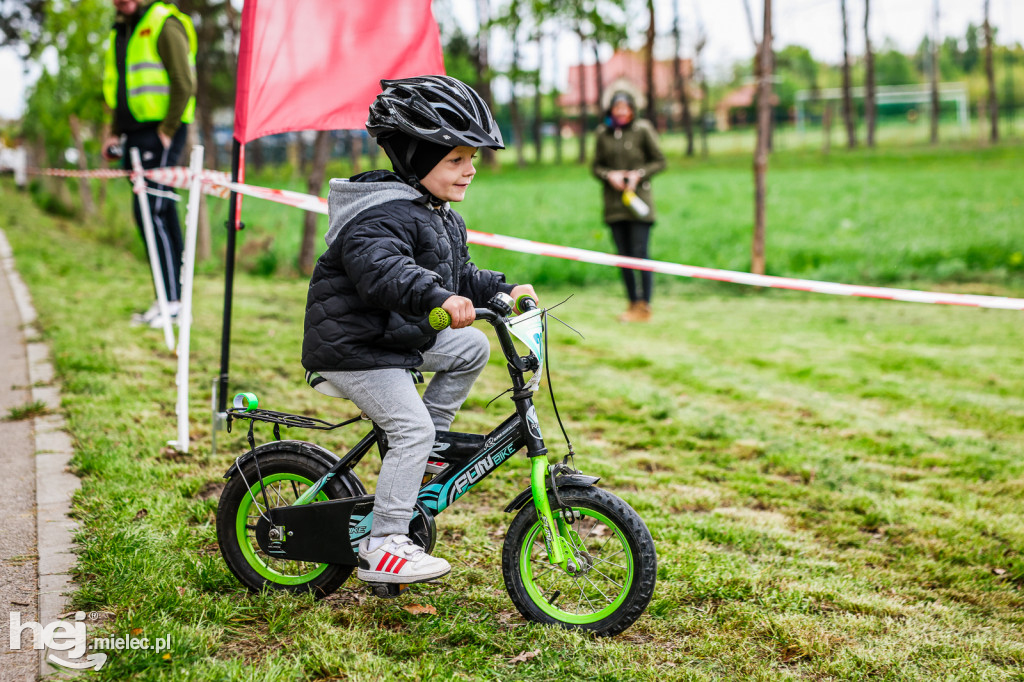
(389, 397)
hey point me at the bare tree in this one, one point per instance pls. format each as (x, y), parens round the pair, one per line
(582, 158)
(355, 149)
(483, 69)
(680, 77)
(204, 248)
(764, 120)
(84, 189)
(848, 116)
(870, 108)
(990, 76)
(652, 106)
(321, 151)
(554, 102)
(698, 49)
(935, 76)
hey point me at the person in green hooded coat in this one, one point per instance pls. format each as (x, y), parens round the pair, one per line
(627, 155)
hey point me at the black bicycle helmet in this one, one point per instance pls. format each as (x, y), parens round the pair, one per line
(439, 109)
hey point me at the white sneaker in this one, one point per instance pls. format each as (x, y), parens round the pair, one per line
(173, 308)
(139, 319)
(398, 560)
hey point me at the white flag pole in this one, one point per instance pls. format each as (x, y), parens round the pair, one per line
(139, 186)
(188, 270)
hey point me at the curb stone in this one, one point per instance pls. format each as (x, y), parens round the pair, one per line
(55, 485)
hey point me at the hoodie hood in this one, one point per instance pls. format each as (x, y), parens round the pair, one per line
(350, 197)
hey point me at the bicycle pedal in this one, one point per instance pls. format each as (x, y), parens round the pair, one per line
(387, 590)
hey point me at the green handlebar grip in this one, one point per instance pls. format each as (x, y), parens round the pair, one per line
(519, 303)
(246, 401)
(440, 319)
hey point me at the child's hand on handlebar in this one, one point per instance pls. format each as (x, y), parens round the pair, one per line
(524, 290)
(461, 311)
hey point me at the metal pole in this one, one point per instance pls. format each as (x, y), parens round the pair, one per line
(233, 226)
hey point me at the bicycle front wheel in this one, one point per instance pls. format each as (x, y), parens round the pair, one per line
(612, 565)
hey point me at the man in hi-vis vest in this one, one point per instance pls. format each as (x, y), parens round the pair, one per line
(149, 84)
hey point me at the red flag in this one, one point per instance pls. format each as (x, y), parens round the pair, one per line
(316, 64)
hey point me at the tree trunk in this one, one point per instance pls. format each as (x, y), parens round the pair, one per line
(582, 158)
(374, 148)
(538, 118)
(870, 109)
(556, 110)
(355, 149)
(307, 252)
(848, 116)
(990, 76)
(254, 155)
(677, 63)
(826, 127)
(764, 114)
(483, 70)
(84, 190)
(598, 75)
(704, 92)
(204, 248)
(935, 78)
(293, 152)
(513, 103)
(652, 105)
(204, 117)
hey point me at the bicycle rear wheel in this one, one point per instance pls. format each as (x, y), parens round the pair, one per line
(285, 476)
(614, 567)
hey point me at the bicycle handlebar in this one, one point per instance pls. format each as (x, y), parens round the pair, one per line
(440, 319)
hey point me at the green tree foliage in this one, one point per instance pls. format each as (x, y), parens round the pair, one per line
(892, 67)
(72, 38)
(458, 57)
(795, 69)
(21, 24)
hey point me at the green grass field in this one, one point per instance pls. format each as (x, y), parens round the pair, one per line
(835, 486)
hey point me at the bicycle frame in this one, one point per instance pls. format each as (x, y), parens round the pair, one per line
(519, 430)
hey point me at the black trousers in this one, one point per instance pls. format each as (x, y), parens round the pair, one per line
(631, 237)
(166, 228)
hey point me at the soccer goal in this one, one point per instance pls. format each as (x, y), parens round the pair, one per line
(891, 94)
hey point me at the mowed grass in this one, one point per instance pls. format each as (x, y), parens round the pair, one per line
(835, 486)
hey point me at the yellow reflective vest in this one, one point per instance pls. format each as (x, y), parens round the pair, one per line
(149, 89)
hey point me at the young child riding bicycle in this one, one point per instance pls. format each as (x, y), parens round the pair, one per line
(396, 251)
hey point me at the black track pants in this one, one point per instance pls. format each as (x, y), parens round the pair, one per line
(166, 228)
(631, 237)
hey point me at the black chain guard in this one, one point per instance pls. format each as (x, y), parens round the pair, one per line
(329, 532)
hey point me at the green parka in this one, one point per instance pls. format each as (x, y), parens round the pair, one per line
(633, 147)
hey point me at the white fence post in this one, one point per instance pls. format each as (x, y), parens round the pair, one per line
(139, 187)
(188, 270)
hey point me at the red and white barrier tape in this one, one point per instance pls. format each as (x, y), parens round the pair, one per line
(214, 182)
(910, 295)
(219, 184)
(107, 173)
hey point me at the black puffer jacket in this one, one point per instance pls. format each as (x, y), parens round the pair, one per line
(390, 260)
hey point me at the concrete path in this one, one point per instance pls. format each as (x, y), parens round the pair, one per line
(35, 487)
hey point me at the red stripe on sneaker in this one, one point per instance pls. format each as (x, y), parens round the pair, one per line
(391, 564)
(384, 559)
(398, 566)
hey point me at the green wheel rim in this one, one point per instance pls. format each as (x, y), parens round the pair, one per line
(602, 589)
(273, 570)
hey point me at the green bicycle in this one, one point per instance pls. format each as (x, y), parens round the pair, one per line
(292, 513)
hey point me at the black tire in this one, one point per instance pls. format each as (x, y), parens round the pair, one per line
(616, 556)
(288, 472)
